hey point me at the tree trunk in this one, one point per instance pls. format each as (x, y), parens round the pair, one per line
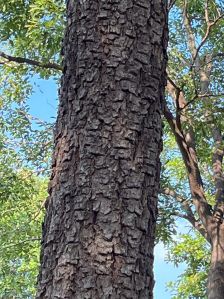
(98, 234)
(216, 273)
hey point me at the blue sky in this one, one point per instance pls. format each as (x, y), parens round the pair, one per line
(43, 102)
(43, 105)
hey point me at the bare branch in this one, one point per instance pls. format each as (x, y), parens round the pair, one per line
(32, 62)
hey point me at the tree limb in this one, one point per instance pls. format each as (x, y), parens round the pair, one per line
(171, 4)
(190, 34)
(183, 201)
(189, 213)
(32, 62)
(217, 161)
(190, 161)
(210, 25)
(201, 96)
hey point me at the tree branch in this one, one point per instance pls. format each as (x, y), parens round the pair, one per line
(189, 213)
(199, 227)
(190, 34)
(173, 83)
(195, 223)
(32, 62)
(183, 201)
(171, 4)
(190, 161)
(210, 25)
(201, 96)
(217, 161)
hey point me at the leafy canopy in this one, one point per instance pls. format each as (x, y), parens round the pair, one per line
(30, 30)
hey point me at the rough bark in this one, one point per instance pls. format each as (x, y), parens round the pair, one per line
(216, 273)
(98, 234)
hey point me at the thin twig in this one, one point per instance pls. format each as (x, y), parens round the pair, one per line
(201, 96)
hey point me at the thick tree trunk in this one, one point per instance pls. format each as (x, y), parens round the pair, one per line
(216, 273)
(98, 235)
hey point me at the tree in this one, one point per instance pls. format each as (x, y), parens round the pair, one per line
(98, 234)
(43, 21)
(193, 113)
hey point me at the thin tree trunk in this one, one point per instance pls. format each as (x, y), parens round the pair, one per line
(216, 273)
(98, 234)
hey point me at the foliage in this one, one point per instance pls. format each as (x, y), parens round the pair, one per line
(201, 108)
(25, 140)
(22, 196)
(195, 80)
(192, 250)
(30, 30)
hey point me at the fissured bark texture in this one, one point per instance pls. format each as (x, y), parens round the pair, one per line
(216, 273)
(98, 234)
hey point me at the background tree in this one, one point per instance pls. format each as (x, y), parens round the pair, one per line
(194, 116)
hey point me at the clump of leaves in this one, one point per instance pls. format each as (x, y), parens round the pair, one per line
(193, 251)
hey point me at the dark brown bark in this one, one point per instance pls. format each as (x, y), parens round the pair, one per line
(98, 234)
(216, 273)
